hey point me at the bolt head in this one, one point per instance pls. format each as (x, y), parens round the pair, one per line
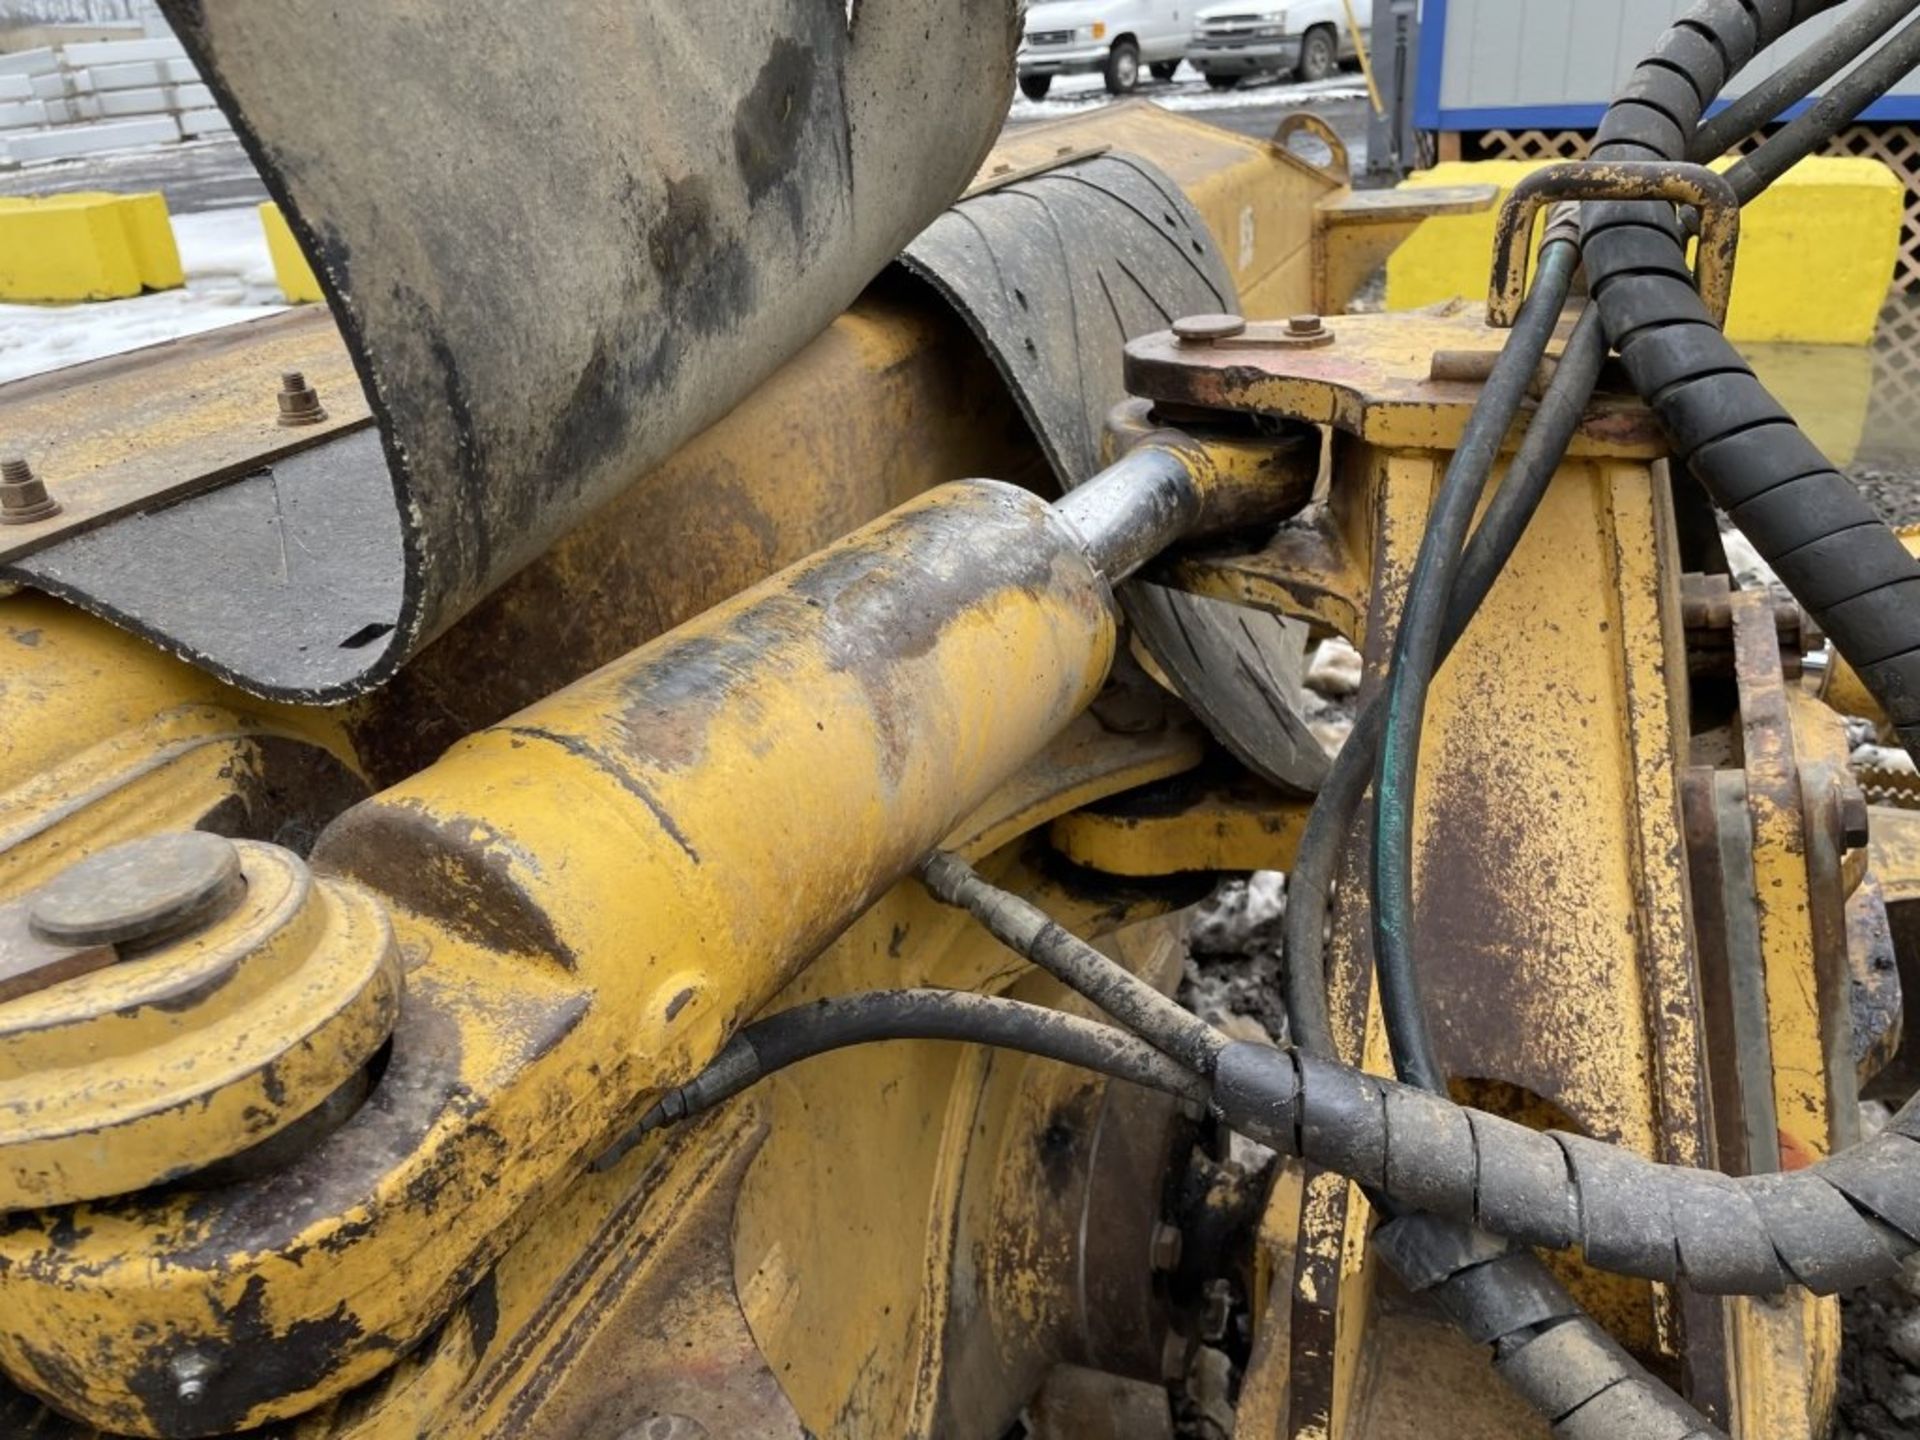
(143, 890)
(1855, 818)
(1205, 329)
(191, 1372)
(1305, 325)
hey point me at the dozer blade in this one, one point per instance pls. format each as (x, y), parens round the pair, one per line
(560, 239)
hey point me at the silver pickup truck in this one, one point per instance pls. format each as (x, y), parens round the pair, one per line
(1305, 38)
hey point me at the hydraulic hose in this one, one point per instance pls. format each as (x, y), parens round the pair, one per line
(1546, 1347)
(1846, 98)
(1029, 931)
(1842, 1223)
(1804, 518)
(786, 1038)
(1416, 653)
(1845, 1221)
(1494, 540)
(1788, 85)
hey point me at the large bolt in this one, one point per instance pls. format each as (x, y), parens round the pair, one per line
(299, 401)
(1205, 329)
(190, 1373)
(23, 496)
(143, 891)
(1165, 1247)
(1854, 827)
(1305, 325)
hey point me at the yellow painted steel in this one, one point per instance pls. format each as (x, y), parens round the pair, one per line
(592, 893)
(129, 431)
(1245, 828)
(585, 888)
(932, 1138)
(1375, 382)
(1555, 780)
(164, 1063)
(86, 245)
(1845, 210)
(107, 739)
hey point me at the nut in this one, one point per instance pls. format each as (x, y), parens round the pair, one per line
(299, 401)
(23, 497)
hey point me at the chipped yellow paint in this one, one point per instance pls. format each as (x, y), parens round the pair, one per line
(1800, 1100)
(586, 889)
(1243, 828)
(153, 1067)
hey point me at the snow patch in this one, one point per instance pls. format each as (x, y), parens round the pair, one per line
(1073, 94)
(1336, 668)
(1750, 572)
(1882, 757)
(229, 279)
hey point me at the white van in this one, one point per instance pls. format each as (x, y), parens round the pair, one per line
(1077, 37)
(1305, 38)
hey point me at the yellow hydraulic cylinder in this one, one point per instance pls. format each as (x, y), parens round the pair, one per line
(588, 897)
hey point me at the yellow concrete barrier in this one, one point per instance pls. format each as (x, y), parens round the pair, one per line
(86, 246)
(1817, 251)
(1826, 388)
(290, 266)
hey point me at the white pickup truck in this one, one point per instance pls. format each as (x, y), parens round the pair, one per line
(1308, 38)
(1117, 38)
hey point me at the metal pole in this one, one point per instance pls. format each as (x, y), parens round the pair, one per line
(1391, 143)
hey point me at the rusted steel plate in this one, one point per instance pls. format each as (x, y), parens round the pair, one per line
(1374, 381)
(131, 431)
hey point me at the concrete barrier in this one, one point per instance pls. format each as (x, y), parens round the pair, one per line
(71, 99)
(1817, 251)
(25, 146)
(86, 246)
(290, 266)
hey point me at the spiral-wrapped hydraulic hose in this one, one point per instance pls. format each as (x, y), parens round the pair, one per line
(1842, 1223)
(1806, 520)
